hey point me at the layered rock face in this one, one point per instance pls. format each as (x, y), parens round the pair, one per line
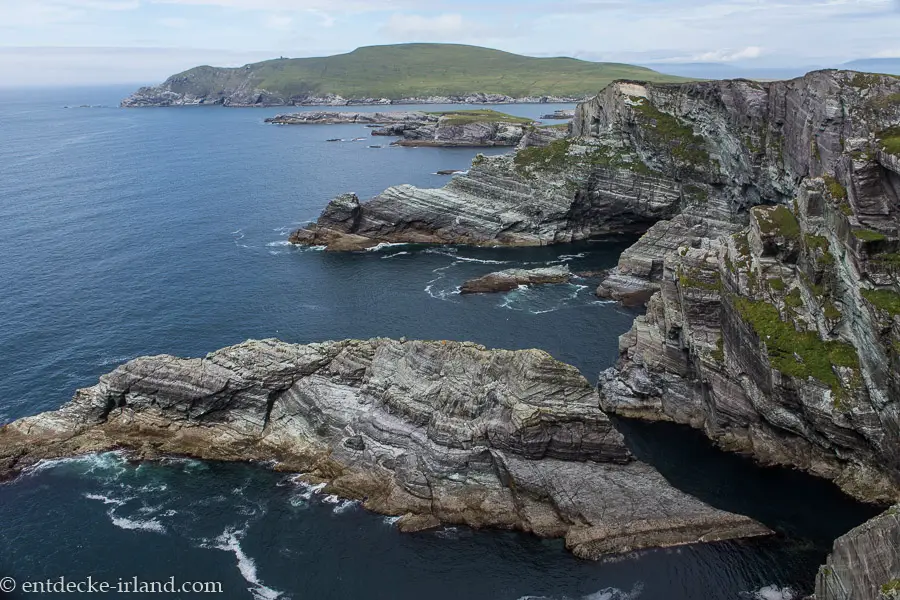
(865, 563)
(780, 339)
(434, 431)
(555, 192)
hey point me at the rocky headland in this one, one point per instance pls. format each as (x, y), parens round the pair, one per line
(435, 432)
(510, 279)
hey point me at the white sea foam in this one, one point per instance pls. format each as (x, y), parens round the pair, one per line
(482, 261)
(110, 463)
(384, 245)
(230, 541)
(135, 524)
(394, 255)
(278, 243)
(390, 520)
(772, 592)
(609, 593)
(107, 499)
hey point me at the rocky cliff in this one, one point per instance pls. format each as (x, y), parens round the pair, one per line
(434, 431)
(865, 563)
(780, 339)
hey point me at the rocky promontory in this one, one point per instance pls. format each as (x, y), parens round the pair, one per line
(510, 279)
(435, 432)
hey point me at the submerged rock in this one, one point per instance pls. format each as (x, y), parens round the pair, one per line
(510, 279)
(438, 432)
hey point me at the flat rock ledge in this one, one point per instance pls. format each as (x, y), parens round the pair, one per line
(510, 279)
(434, 432)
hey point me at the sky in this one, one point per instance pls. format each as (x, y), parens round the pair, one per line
(48, 42)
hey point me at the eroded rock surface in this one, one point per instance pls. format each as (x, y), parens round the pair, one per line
(510, 279)
(434, 431)
(397, 118)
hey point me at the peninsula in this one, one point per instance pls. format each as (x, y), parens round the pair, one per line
(393, 74)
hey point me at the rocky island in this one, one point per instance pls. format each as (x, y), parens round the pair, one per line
(434, 432)
(510, 279)
(392, 74)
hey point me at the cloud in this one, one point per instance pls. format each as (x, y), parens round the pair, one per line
(403, 26)
(278, 22)
(174, 22)
(729, 56)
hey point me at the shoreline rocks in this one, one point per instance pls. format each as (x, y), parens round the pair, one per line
(164, 96)
(431, 431)
(402, 118)
(510, 279)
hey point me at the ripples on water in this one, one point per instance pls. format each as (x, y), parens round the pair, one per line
(132, 232)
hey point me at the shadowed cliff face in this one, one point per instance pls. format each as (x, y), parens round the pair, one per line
(438, 432)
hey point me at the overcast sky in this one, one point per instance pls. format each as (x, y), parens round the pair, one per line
(144, 41)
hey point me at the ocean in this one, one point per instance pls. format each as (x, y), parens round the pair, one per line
(148, 231)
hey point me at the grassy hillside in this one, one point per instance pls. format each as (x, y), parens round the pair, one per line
(416, 70)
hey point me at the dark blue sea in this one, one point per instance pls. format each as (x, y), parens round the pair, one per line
(134, 232)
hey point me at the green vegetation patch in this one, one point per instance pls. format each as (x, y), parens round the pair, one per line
(886, 300)
(465, 117)
(794, 299)
(831, 310)
(777, 284)
(691, 279)
(778, 221)
(868, 235)
(837, 191)
(890, 140)
(680, 139)
(888, 260)
(891, 589)
(553, 156)
(794, 353)
(718, 354)
(418, 70)
(816, 242)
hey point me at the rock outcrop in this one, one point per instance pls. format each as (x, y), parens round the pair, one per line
(865, 563)
(565, 191)
(510, 279)
(396, 118)
(434, 431)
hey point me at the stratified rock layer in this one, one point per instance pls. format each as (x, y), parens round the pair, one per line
(780, 339)
(865, 563)
(435, 431)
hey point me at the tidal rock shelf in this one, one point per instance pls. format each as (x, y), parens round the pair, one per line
(434, 432)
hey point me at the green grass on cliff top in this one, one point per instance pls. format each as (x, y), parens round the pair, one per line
(417, 70)
(463, 117)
